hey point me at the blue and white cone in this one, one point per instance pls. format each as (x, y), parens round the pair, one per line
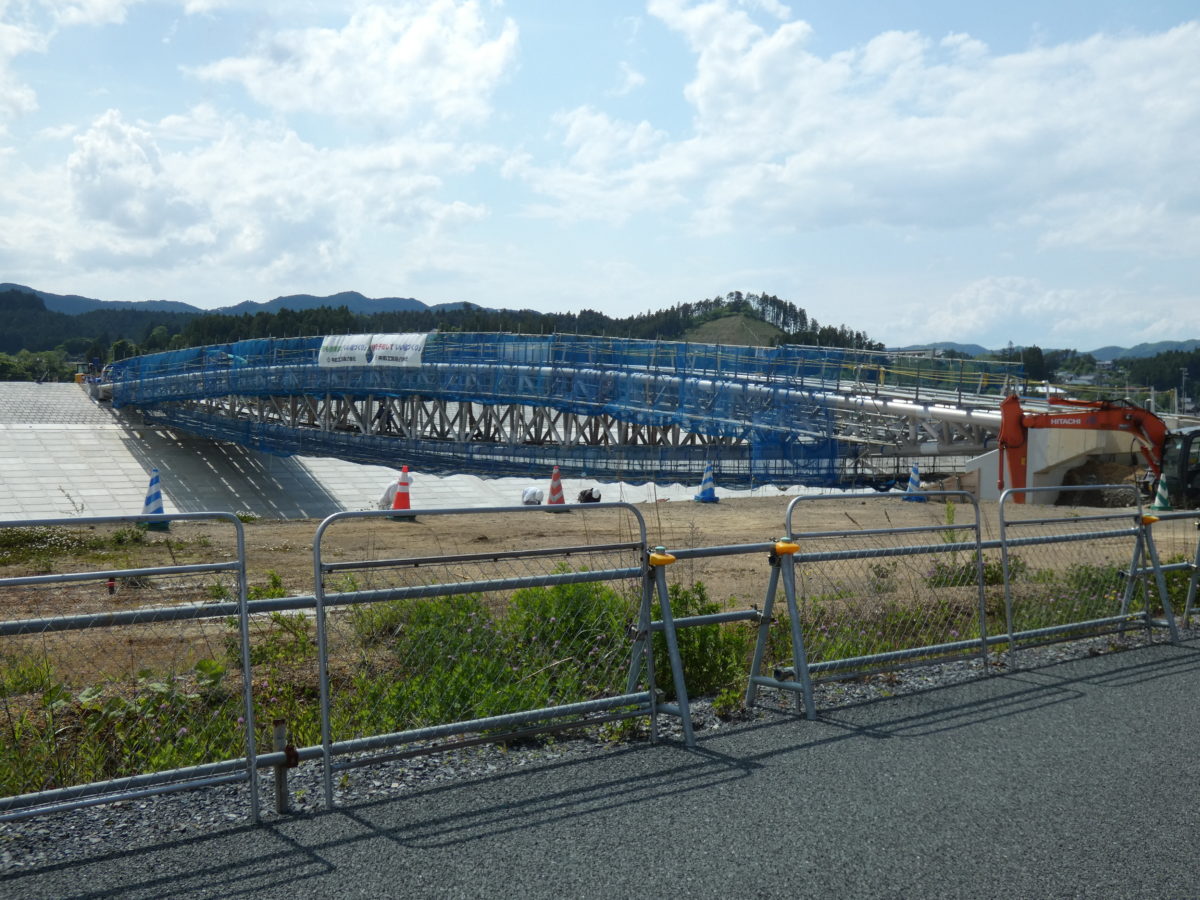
(708, 491)
(914, 486)
(154, 503)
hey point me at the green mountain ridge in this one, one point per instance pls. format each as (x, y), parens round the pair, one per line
(359, 304)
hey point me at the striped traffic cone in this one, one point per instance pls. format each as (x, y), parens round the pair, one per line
(914, 486)
(154, 504)
(401, 499)
(708, 491)
(556, 492)
(1162, 499)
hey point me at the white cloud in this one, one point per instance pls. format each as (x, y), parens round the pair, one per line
(29, 27)
(607, 176)
(1000, 309)
(989, 305)
(117, 177)
(964, 47)
(601, 142)
(88, 12)
(1088, 144)
(58, 132)
(773, 7)
(16, 97)
(198, 191)
(631, 80)
(433, 63)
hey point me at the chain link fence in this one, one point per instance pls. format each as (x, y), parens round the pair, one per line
(1177, 545)
(868, 599)
(483, 636)
(115, 679)
(1079, 575)
(152, 665)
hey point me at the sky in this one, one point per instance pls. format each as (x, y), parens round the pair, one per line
(918, 170)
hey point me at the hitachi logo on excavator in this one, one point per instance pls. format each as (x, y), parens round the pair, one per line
(1067, 420)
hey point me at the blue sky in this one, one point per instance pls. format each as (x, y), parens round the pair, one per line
(921, 171)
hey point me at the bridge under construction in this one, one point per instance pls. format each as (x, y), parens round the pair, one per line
(615, 409)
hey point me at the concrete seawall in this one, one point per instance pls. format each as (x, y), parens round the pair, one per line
(64, 454)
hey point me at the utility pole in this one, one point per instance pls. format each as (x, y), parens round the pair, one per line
(1182, 390)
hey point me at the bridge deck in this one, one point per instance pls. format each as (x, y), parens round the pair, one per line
(615, 410)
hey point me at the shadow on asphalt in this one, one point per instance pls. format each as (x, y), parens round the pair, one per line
(246, 860)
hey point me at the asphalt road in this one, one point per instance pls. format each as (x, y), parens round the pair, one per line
(1074, 780)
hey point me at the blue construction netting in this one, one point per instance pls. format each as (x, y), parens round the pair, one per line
(767, 406)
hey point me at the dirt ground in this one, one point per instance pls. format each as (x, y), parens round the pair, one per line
(280, 553)
(285, 548)
(280, 560)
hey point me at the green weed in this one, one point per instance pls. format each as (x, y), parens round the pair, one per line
(713, 656)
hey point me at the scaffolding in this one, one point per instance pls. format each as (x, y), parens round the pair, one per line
(510, 405)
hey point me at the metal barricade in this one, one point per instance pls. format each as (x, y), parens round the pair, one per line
(1079, 575)
(446, 628)
(861, 601)
(120, 682)
(487, 637)
(1175, 540)
(712, 618)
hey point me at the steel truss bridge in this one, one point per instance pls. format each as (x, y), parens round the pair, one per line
(604, 408)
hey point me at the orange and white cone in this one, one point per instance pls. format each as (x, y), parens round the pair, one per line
(556, 491)
(401, 500)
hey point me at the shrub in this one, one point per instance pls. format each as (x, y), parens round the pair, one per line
(287, 638)
(713, 656)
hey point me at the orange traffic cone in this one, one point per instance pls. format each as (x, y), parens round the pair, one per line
(401, 499)
(556, 491)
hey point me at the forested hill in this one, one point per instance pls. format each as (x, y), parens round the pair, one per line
(26, 324)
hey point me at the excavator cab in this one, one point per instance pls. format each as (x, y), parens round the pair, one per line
(1181, 467)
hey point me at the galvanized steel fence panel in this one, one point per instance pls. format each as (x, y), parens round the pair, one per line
(1074, 575)
(869, 599)
(1175, 537)
(119, 681)
(485, 635)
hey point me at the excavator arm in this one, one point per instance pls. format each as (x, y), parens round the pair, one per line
(1145, 427)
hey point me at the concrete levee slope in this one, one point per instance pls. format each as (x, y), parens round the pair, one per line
(64, 454)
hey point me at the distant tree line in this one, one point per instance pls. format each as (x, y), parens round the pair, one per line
(671, 324)
(37, 343)
(40, 343)
(1167, 371)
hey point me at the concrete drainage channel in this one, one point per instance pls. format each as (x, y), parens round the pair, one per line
(397, 655)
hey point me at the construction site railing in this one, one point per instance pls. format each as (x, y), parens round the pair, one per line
(963, 595)
(1100, 585)
(869, 600)
(123, 682)
(483, 641)
(95, 706)
(1175, 539)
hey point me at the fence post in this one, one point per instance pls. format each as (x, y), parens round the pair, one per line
(1190, 602)
(1159, 579)
(279, 745)
(799, 657)
(659, 560)
(764, 630)
(641, 654)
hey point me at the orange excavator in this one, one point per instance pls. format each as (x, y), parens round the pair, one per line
(1174, 456)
